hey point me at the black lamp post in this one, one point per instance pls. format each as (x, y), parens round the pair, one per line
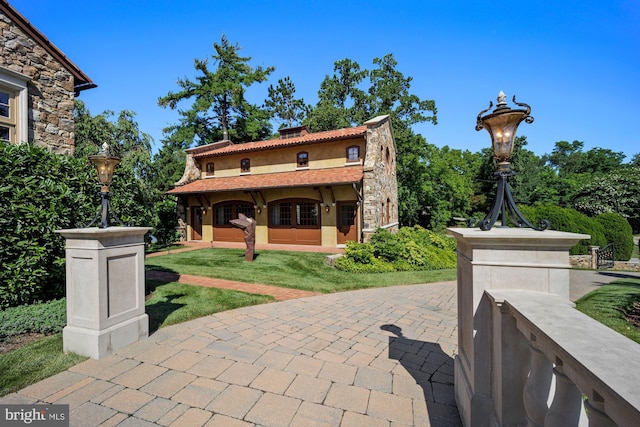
(502, 124)
(105, 162)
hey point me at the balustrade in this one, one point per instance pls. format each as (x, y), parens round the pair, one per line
(588, 361)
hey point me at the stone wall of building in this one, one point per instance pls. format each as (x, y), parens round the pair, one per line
(380, 181)
(50, 88)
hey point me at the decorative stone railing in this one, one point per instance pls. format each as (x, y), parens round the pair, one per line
(538, 337)
(516, 326)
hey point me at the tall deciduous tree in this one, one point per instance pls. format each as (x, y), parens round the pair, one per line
(132, 194)
(218, 108)
(353, 95)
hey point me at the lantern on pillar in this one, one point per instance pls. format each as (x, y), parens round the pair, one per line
(502, 124)
(105, 162)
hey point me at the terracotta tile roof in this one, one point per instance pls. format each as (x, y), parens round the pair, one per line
(332, 135)
(301, 178)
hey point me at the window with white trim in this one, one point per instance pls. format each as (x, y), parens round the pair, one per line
(13, 106)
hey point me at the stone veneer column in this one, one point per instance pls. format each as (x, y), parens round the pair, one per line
(105, 289)
(501, 258)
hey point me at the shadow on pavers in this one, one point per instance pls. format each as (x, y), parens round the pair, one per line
(432, 369)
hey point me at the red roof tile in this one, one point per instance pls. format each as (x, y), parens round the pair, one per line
(300, 178)
(331, 135)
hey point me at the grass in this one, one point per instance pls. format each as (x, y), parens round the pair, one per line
(169, 304)
(299, 270)
(173, 303)
(610, 303)
(34, 362)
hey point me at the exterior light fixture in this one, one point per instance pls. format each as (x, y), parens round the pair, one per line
(105, 162)
(502, 124)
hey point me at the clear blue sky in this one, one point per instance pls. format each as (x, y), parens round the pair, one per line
(577, 63)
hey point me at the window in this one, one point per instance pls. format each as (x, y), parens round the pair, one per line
(210, 169)
(307, 214)
(303, 159)
(245, 166)
(227, 211)
(353, 153)
(281, 214)
(348, 215)
(13, 106)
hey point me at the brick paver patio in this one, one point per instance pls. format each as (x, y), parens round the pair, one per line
(377, 357)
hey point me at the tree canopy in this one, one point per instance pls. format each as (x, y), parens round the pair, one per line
(219, 109)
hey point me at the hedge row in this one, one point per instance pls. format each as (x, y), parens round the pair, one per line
(39, 193)
(412, 248)
(603, 229)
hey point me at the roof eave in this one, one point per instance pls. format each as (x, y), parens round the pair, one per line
(81, 80)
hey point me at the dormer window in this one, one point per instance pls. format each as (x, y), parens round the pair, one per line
(353, 154)
(303, 159)
(209, 169)
(245, 166)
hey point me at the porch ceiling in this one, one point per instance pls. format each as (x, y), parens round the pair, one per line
(300, 178)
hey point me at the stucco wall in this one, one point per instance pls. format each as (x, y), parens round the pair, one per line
(50, 88)
(326, 155)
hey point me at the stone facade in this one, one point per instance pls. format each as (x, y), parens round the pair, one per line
(52, 82)
(380, 185)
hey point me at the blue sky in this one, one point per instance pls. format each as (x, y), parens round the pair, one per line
(576, 63)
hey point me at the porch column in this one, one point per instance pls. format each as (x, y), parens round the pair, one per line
(501, 258)
(105, 289)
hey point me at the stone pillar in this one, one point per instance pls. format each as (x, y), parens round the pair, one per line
(594, 256)
(501, 258)
(105, 289)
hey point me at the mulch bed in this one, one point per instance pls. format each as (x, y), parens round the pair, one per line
(18, 341)
(633, 316)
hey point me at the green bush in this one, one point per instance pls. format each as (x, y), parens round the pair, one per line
(40, 192)
(617, 230)
(412, 248)
(569, 220)
(45, 318)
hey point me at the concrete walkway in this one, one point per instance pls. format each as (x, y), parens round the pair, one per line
(377, 357)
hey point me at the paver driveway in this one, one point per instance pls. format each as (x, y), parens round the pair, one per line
(377, 357)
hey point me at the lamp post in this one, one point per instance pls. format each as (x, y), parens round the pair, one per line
(502, 124)
(105, 162)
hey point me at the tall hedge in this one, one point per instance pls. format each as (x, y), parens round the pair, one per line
(570, 220)
(40, 192)
(617, 230)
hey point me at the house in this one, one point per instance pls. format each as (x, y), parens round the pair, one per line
(323, 188)
(38, 84)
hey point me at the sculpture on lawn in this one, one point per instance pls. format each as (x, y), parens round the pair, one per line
(248, 226)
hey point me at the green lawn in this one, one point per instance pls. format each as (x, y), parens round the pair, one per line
(608, 305)
(169, 304)
(298, 270)
(34, 362)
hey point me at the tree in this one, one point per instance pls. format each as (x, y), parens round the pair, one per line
(219, 109)
(449, 185)
(283, 105)
(617, 192)
(352, 95)
(341, 103)
(132, 196)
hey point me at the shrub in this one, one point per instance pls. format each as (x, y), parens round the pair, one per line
(412, 248)
(45, 318)
(569, 220)
(617, 230)
(40, 192)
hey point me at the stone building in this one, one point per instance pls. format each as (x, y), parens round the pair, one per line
(323, 188)
(38, 84)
